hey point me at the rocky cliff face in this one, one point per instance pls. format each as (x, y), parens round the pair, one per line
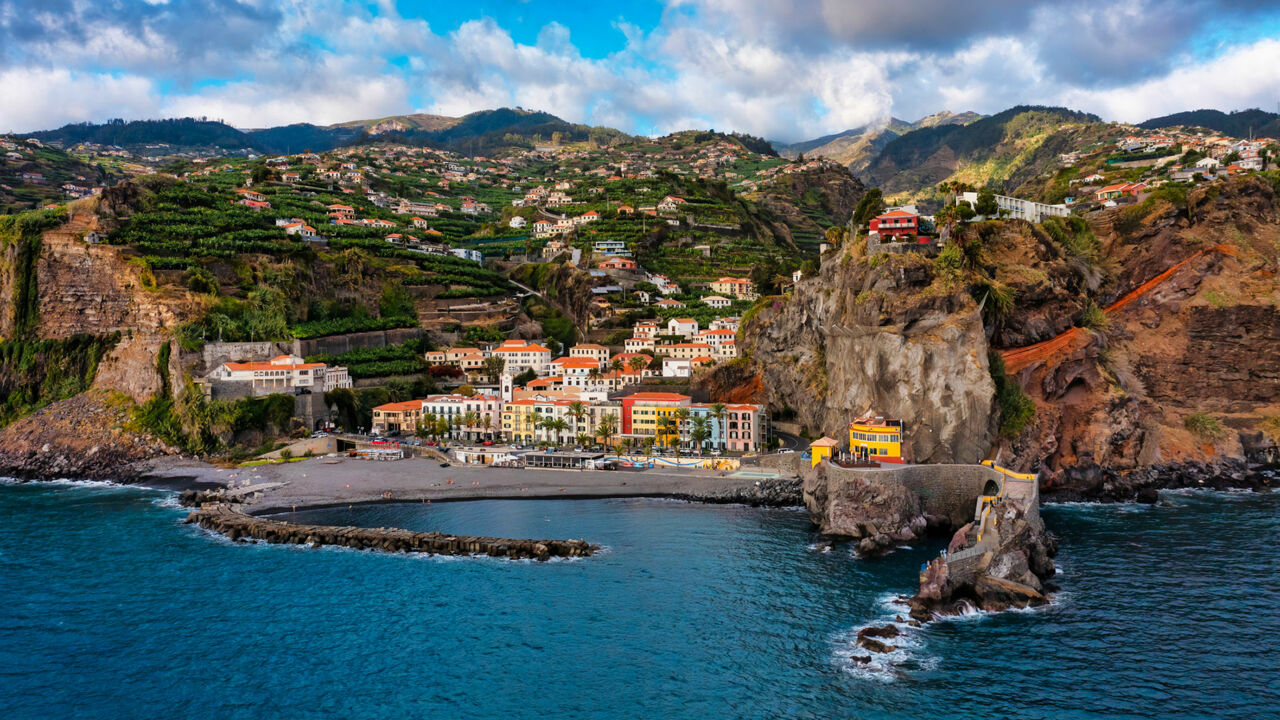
(881, 336)
(1186, 371)
(1175, 382)
(93, 289)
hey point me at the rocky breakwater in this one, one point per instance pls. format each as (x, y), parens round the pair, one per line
(228, 520)
(885, 334)
(769, 492)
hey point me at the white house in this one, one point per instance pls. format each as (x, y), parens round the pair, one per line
(283, 374)
(685, 327)
(517, 222)
(716, 301)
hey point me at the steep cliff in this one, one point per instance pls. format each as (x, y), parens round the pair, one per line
(1184, 373)
(1147, 337)
(884, 335)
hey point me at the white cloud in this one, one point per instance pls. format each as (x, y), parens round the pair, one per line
(51, 98)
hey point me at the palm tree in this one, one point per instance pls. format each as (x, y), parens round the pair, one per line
(429, 423)
(557, 426)
(637, 364)
(700, 432)
(667, 426)
(577, 410)
(470, 420)
(720, 412)
(682, 421)
(583, 439)
(615, 365)
(606, 428)
(488, 425)
(648, 445)
(531, 421)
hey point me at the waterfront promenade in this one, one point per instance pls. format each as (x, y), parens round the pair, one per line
(320, 482)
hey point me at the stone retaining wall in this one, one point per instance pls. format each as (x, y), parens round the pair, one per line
(228, 521)
(946, 490)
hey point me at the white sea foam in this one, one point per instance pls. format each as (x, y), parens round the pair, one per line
(908, 647)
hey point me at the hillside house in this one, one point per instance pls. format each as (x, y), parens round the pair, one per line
(739, 288)
(896, 224)
(618, 263)
(685, 327)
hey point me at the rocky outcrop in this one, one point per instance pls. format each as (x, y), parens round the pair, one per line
(1011, 572)
(86, 437)
(879, 515)
(882, 335)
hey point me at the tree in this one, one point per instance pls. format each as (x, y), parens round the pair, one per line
(719, 412)
(986, 204)
(260, 174)
(871, 205)
(637, 364)
(266, 317)
(699, 432)
(532, 421)
(682, 421)
(557, 426)
(615, 365)
(493, 366)
(470, 419)
(583, 439)
(606, 428)
(467, 390)
(554, 346)
(577, 410)
(525, 377)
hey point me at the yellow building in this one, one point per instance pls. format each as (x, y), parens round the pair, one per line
(642, 415)
(876, 439)
(821, 449)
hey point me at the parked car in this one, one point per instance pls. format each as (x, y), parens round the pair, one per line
(487, 443)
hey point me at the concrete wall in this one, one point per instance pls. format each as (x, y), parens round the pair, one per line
(946, 490)
(337, 344)
(216, 353)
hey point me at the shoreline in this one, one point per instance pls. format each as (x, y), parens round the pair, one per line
(335, 482)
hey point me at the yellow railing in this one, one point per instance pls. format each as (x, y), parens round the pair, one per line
(1009, 473)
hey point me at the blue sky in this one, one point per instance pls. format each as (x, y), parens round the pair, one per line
(787, 70)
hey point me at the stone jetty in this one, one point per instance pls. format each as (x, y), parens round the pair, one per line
(228, 520)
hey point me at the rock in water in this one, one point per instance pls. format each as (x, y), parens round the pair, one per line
(883, 631)
(875, 646)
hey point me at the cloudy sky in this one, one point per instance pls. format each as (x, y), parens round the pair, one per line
(784, 69)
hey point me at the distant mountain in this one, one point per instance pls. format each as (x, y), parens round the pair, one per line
(487, 130)
(1237, 124)
(857, 147)
(477, 132)
(999, 149)
(401, 123)
(189, 132)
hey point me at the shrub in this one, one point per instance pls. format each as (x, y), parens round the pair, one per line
(1016, 409)
(1092, 317)
(1204, 426)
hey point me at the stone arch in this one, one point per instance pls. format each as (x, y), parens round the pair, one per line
(991, 488)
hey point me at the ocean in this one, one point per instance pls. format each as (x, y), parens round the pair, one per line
(111, 608)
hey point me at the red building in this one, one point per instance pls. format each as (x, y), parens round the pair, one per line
(896, 223)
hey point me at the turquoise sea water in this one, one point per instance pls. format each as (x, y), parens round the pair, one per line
(109, 608)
